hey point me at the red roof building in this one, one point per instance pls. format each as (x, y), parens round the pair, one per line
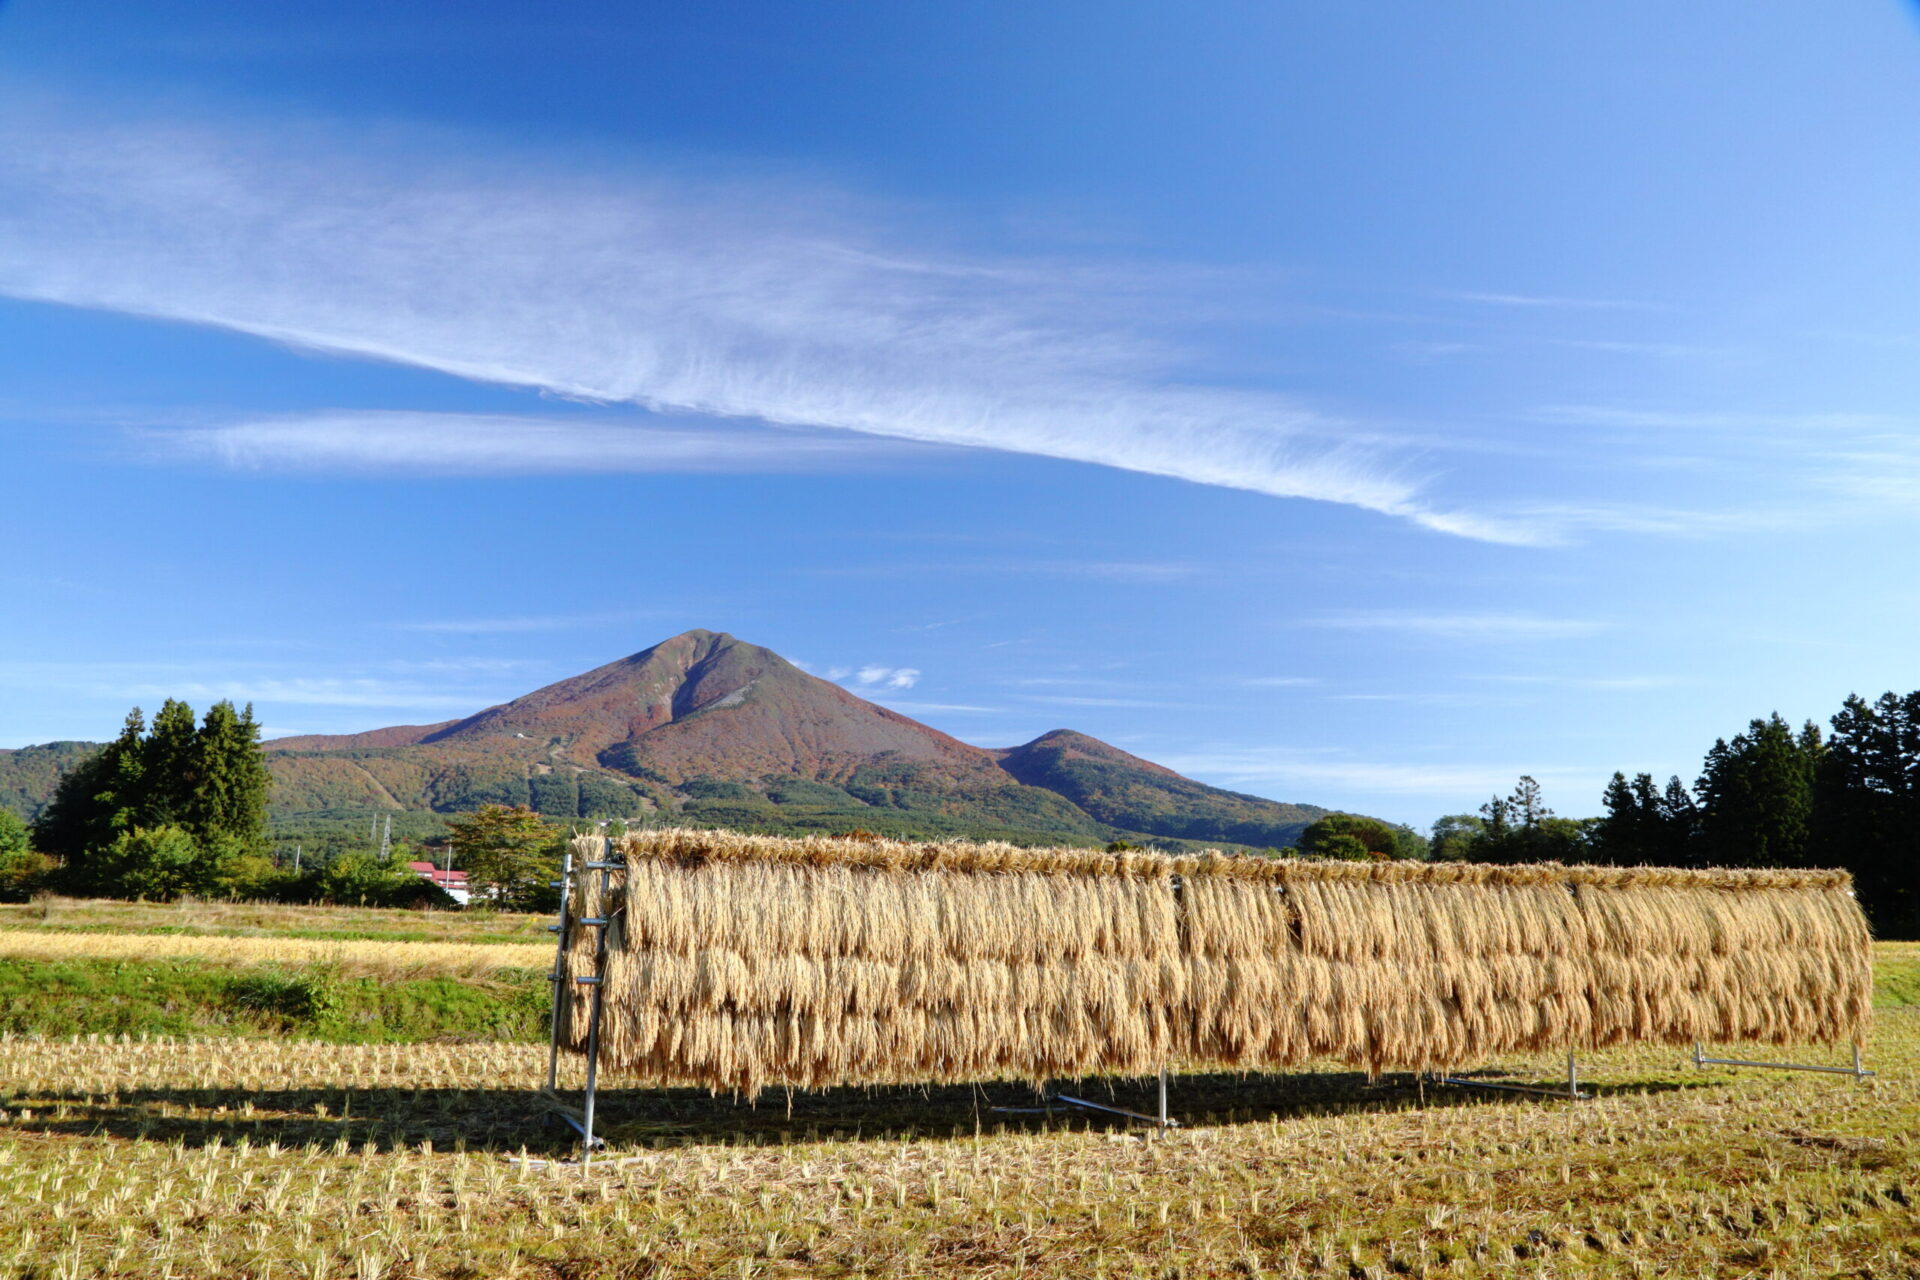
(454, 882)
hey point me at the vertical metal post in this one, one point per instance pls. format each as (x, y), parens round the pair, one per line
(602, 921)
(1163, 1096)
(1573, 1076)
(1699, 1058)
(558, 978)
(1858, 1074)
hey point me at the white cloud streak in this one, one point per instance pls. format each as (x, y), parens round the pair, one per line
(745, 300)
(514, 625)
(875, 676)
(484, 444)
(151, 682)
(1459, 626)
(1282, 769)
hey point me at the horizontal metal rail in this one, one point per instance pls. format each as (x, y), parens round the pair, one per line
(1857, 1071)
(1513, 1088)
(1114, 1111)
(1571, 1092)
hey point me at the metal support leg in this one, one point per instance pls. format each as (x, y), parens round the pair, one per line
(1163, 1096)
(598, 981)
(1857, 1071)
(558, 978)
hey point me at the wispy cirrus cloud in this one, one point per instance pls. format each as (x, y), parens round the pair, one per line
(931, 708)
(734, 299)
(483, 444)
(1280, 770)
(1545, 300)
(149, 682)
(1132, 571)
(1607, 684)
(1458, 626)
(875, 676)
(516, 624)
(1089, 700)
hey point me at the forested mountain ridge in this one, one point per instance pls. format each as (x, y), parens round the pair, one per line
(1123, 789)
(706, 728)
(28, 775)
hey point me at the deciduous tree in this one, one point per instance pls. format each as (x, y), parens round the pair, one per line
(509, 853)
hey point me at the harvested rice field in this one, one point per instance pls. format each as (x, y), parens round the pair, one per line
(294, 1158)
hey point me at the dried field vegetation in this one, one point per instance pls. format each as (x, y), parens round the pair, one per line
(297, 1159)
(193, 918)
(361, 942)
(359, 957)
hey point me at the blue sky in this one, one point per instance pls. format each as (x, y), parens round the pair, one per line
(1360, 405)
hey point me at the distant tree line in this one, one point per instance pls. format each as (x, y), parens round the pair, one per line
(1352, 837)
(179, 808)
(1773, 796)
(161, 811)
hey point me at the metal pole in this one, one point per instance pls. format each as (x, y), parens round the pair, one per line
(1857, 1071)
(598, 981)
(557, 979)
(1163, 1096)
(1573, 1076)
(593, 1073)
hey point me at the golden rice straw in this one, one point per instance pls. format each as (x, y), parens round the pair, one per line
(738, 962)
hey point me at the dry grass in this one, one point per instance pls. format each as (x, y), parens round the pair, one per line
(271, 919)
(357, 957)
(290, 1159)
(743, 961)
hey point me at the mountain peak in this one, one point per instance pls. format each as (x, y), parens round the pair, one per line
(704, 718)
(1071, 744)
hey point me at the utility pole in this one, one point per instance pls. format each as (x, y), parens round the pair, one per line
(296, 859)
(386, 840)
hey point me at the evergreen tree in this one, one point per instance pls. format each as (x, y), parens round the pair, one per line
(1455, 835)
(1512, 828)
(1679, 828)
(1529, 809)
(207, 786)
(1638, 830)
(1867, 807)
(230, 799)
(96, 799)
(1756, 796)
(173, 768)
(1621, 836)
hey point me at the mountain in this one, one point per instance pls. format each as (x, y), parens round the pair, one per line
(1126, 791)
(707, 729)
(28, 775)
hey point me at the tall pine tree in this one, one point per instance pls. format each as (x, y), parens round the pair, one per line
(229, 801)
(1867, 807)
(174, 767)
(96, 799)
(209, 783)
(1756, 796)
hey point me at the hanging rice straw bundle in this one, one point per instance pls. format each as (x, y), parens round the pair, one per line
(738, 962)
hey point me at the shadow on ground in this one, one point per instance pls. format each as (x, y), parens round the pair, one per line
(508, 1118)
